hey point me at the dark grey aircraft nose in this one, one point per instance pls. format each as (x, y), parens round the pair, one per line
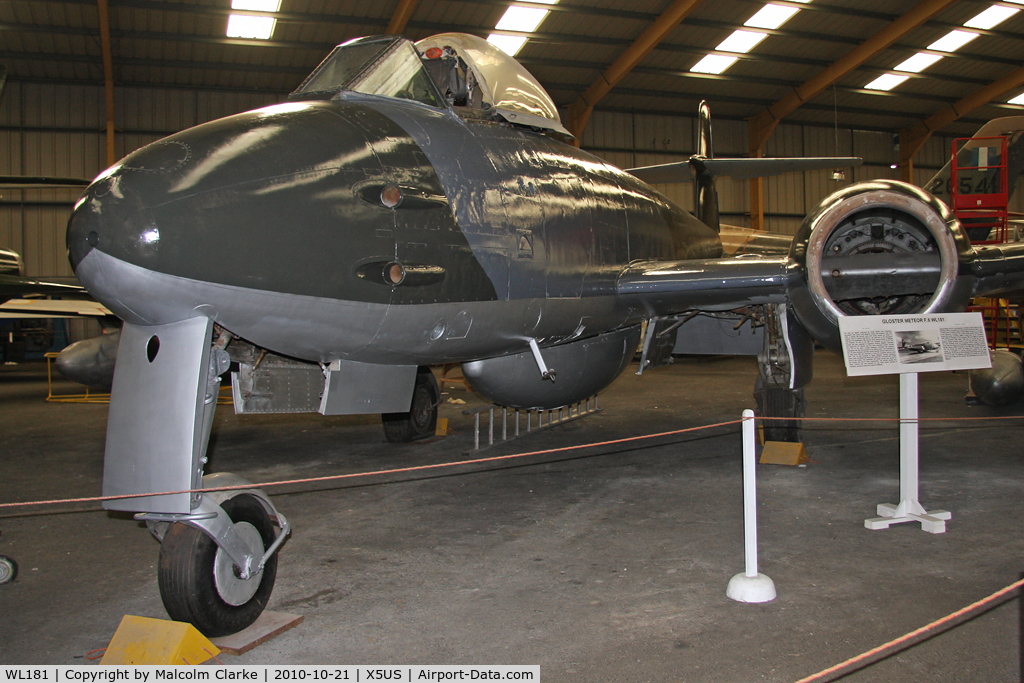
(285, 199)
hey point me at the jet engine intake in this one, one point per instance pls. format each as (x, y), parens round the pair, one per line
(582, 368)
(877, 248)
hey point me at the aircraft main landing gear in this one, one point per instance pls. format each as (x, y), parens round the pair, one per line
(785, 365)
(421, 420)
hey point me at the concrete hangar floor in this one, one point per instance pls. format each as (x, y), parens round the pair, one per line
(604, 564)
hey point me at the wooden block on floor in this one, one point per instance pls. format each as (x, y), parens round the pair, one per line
(783, 453)
(269, 625)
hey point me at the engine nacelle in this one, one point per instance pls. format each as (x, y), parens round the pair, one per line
(878, 248)
(582, 368)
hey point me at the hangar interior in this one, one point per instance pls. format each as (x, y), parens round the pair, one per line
(172, 67)
(605, 566)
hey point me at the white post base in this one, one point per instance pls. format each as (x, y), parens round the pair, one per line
(908, 510)
(743, 588)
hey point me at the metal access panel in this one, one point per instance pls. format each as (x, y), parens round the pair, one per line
(363, 388)
(718, 336)
(277, 385)
(155, 423)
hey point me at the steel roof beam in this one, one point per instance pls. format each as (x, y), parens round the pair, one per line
(580, 110)
(913, 138)
(401, 17)
(762, 125)
(108, 75)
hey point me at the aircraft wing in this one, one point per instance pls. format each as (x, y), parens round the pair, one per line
(665, 287)
(52, 308)
(17, 182)
(683, 171)
(14, 286)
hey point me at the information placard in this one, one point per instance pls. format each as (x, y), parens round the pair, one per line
(892, 344)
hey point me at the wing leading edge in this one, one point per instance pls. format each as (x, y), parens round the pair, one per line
(744, 168)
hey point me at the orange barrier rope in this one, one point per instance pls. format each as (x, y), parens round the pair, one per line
(402, 470)
(398, 470)
(890, 419)
(903, 642)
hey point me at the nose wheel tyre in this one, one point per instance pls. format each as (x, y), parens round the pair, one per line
(8, 569)
(421, 420)
(199, 583)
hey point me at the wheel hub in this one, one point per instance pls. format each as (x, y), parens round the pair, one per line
(233, 589)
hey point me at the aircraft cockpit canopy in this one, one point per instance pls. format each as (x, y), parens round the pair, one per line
(387, 66)
(450, 69)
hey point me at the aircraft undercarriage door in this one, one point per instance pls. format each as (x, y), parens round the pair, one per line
(156, 431)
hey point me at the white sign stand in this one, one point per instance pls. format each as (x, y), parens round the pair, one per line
(909, 344)
(909, 509)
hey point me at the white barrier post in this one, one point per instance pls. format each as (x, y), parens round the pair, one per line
(750, 586)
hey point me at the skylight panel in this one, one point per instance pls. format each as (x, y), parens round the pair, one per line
(886, 82)
(991, 17)
(510, 45)
(521, 19)
(771, 16)
(953, 41)
(741, 41)
(251, 26)
(917, 63)
(257, 5)
(525, 19)
(713, 64)
(248, 26)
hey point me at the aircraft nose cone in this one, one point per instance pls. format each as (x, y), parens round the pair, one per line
(113, 214)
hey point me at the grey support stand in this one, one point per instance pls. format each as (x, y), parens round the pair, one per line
(909, 509)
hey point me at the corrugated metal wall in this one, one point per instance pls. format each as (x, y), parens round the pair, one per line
(59, 130)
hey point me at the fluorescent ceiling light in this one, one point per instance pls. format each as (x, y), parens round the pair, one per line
(1019, 99)
(953, 41)
(525, 19)
(257, 5)
(991, 17)
(510, 45)
(917, 63)
(771, 16)
(741, 41)
(246, 26)
(713, 64)
(886, 82)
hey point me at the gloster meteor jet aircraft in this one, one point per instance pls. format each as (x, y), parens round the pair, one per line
(414, 204)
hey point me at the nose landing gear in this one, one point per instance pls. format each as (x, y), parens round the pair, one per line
(218, 556)
(218, 565)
